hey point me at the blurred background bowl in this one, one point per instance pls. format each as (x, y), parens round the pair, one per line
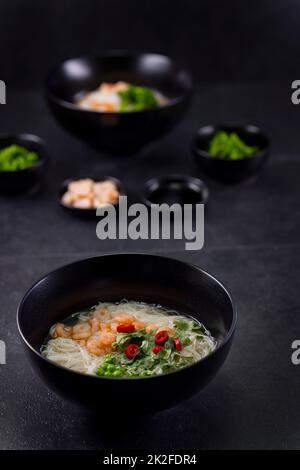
(175, 189)
(226, 170)
(118, 132)
(18, 181)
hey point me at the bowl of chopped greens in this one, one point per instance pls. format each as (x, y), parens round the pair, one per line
(230, 153)
(121, 101)
(22, 162)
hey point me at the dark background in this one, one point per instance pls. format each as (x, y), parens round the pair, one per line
(220, 40)
(245, 54)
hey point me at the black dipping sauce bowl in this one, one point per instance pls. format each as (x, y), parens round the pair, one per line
(18, 181)
(226, 170)
(88, 213)
(118, 132)
(175, 189)
(141, 277)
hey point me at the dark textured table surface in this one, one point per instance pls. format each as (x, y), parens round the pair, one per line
(251, 244)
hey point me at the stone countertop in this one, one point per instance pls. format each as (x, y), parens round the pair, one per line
(251, 244)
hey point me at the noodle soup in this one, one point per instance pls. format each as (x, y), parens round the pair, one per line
(127, 339)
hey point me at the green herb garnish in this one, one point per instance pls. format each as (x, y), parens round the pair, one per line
(15, 158)
(183, 325)
(146, 362)
(228, 145)
(137, 98)
(188, 325)
(141, 354)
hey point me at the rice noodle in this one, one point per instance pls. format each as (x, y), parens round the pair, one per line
(68, 353)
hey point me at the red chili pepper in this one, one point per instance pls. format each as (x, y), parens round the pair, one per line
(156, 349)
(132, 350)
(126, 328)
(177, 343)
(161, 337)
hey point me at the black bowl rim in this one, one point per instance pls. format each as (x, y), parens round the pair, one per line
(158, 180)
(211, 129)
(118, 53)
(220, 344)
(77, 210)
(27, 137)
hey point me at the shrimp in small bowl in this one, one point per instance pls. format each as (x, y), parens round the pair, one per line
(81, 197)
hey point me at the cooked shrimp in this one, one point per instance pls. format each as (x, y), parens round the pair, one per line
(61, 331)
(121, 86)
(151, 327)
(108, 107)
(108, 87)
(83, 203)
(101, 187)
(94, 105)
(98, 203)
(95, 324)
(81, 187)
(113, 327)
(87, 193)
(107, 339)
(82, 331)
(125, 319)
(68, 198)
(102, 314)
(112, 196)
(100, 343)
(94, 345)
(105, 327)
(139, 325)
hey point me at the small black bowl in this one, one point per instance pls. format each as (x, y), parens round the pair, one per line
(141, 277)
(118, 132)
(13, 182)
(225, 170)
(175, 189)
(87, 213)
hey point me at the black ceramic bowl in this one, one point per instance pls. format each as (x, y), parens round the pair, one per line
(13, 182)
(225, 170)
(175, 189)
(118, 132)
(87, 213)
(141, 277)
